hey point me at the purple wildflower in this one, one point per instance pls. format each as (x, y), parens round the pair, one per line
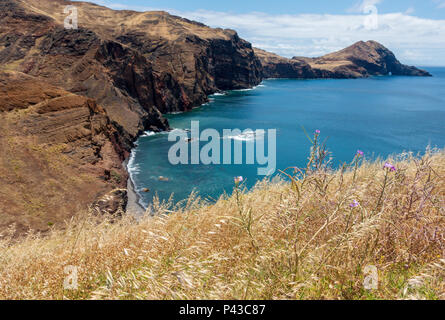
(360, 153)
(239, 179)
(317, 131)
(389, 166)
(354, 204)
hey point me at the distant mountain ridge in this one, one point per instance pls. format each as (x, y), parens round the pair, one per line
(102, 85)
(362, 59)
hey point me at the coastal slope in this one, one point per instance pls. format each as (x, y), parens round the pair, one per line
(318, 238)
(59, 154)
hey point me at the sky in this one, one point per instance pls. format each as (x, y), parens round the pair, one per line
(413, 29)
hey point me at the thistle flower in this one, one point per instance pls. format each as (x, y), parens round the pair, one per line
(354, 204)
(239, 179)
(389, 166)
(360, 153)
(317, 131)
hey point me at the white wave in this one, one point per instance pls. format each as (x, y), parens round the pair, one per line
(132, 167)
(248, 135)
(152, 133)
(180, 130)
(218, 94)
(149, 134)
(251, 89)
(242, 90)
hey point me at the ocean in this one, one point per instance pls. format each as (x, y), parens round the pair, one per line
(380, 116)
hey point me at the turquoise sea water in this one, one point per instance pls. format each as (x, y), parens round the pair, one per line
(380, 115)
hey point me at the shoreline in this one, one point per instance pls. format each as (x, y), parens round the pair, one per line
(133, 208)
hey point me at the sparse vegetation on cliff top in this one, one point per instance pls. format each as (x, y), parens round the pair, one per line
(314, 238)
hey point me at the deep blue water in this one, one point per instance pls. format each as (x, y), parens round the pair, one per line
(380, 115)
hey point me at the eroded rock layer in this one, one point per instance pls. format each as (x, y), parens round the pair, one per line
(59, 152)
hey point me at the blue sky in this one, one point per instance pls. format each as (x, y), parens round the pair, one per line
(413, 29)
(422, 8)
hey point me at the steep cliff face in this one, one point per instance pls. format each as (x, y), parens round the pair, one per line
(59, 152)
(275, 66)
(362, 59)
(81, 62)
(189, 68)
(137, 65)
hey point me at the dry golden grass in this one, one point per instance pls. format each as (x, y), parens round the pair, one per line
(279, 241)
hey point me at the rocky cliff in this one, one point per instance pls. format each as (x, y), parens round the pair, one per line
(86, 94)
(275, 66)
(137, 65)
(362, 59)
(59, 153)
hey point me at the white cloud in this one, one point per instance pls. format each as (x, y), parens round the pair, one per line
(414, 40)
